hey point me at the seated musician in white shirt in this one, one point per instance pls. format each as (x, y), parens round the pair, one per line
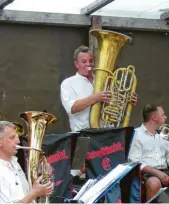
(151, 150)
(14, 187)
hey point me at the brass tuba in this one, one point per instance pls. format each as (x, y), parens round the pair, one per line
(37, 123)
(109, 46)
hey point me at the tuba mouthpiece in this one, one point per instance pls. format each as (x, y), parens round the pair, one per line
(18, 147)
(28, 148)
(88, 68)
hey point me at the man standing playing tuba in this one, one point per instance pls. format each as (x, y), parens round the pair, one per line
(77, 91)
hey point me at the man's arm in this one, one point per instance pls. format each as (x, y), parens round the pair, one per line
(82, 104)
(38, 190)
(28, 198)
(74, 105)
(150, 170)
(135, 152)
(164, 178)
(103, 96)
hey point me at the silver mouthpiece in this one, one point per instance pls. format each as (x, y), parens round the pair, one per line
(29, 148)
(21, 147)
(89, 68)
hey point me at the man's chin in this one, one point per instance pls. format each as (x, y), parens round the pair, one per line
(87, 75)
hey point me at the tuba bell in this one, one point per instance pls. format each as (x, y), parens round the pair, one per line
(120, 83)
(37, 122)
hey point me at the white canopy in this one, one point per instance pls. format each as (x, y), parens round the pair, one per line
(151, 9)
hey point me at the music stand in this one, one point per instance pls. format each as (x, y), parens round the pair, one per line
(80, 153)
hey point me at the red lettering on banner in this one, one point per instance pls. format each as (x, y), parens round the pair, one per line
(106, 164)
(58, 156)
(105, 151)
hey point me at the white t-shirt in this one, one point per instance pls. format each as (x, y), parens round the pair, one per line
(72, 89)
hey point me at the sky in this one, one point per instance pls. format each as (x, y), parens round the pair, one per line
(137, 8)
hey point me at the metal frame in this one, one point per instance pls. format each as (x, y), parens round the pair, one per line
(31, 17)
(96, 5)
(77, 20)
(140, 24)
(4, 3)
(164, 15)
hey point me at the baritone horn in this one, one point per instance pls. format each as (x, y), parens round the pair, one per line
(37, 122)
(109, 45)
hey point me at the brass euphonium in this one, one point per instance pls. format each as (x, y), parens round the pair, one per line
(37, 122)
(109, 46)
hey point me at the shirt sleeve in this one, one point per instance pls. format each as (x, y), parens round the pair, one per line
(68, 96)
(135, 152)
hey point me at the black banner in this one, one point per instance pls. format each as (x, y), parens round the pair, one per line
(107, 149)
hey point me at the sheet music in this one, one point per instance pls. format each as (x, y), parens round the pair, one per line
(92, 193)
(85, 187)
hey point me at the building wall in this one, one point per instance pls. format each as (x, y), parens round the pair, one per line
(34, 60)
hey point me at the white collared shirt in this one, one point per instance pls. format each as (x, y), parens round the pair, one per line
(72, 89)
(148, 149)
(13, 183)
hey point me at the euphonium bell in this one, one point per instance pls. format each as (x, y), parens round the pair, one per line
(164, 131)
(37, 122)
(109, 46)
(19, 129)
